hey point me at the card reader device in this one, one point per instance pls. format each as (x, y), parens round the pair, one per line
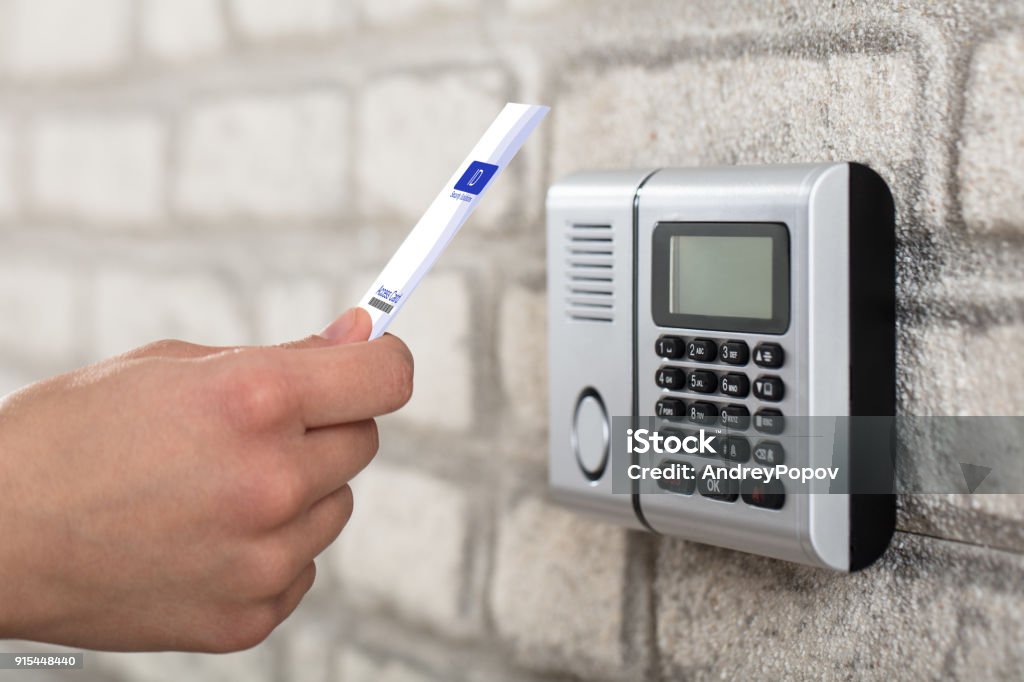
(756, 303)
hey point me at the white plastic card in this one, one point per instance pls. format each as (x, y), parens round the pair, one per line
(448, 212)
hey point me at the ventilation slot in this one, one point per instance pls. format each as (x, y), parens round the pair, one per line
(590, 273)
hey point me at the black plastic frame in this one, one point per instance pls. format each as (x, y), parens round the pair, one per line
(872, 232)
(661, 273)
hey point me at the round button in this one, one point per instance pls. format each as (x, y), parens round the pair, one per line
(590, 434)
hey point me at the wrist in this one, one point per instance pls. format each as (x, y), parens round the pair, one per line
(25, 605)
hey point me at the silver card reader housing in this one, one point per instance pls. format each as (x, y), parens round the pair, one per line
(758, 302)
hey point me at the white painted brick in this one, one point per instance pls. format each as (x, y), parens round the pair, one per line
(37, 307)
(953, 369)
(692, 113)
(928, 609)
(356, 666)
(100, 170)
(991, 172)
(435, 324)
(8, 194)
(533, 7)
(404, 547)
(274, 157)
(397, 12)
(52, 38)
(293, 309)
(271, 19)
(135, 308)
(872, 113)
(742, 110)
(256, 664)
(415, 131)
(992, 520)
(182, 29)
(309, 650)
(522, 353)
(988, 353)
(558, 590)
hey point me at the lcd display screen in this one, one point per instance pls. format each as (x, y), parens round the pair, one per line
(721, 276)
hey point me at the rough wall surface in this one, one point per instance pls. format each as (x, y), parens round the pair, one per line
(236, 171)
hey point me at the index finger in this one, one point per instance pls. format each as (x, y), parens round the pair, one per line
(352, 382)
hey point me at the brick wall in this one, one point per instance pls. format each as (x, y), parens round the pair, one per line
(236, 171)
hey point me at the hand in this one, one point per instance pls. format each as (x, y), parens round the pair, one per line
(176, 496)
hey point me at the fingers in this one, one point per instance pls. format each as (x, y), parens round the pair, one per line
(331, 456)
(351, 326)
(290, 550)
(310, 534)
(350, 383)
(354, 325)
(288, 601)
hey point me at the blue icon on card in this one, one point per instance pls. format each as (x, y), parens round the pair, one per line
(476, 177)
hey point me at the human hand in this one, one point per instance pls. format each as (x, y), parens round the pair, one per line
(176, 496)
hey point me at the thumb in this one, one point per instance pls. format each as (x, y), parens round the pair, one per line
(352, 326)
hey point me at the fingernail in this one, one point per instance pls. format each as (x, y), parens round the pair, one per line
(341, 326)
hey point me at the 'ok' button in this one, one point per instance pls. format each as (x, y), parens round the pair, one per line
(722, 489)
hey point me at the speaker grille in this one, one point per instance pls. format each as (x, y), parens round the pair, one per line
(590, 272)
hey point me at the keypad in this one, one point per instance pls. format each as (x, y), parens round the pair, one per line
(721, 489)
(682, 485)
(769, 388)
(769, 421)
(735, 385)
(768, 355)
(670, 347)
(735, 417)
(731, 371)
(734, 353)
(669, 407)
(701, 350)
(703, 382)
(736, 449)
(671, 378)
(769, 495)
(703, 413)
(769, 453)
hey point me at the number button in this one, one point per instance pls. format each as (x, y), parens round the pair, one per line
(703, 382)
(736, 449)
(670, 378)
(769, 388)
(669, 407)
(703, 413)
(769, 453)
(768, 355)
(735, 417)
(769, 421)
(670, 347)
(734, 353)
(701, 350)
(736, 385)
